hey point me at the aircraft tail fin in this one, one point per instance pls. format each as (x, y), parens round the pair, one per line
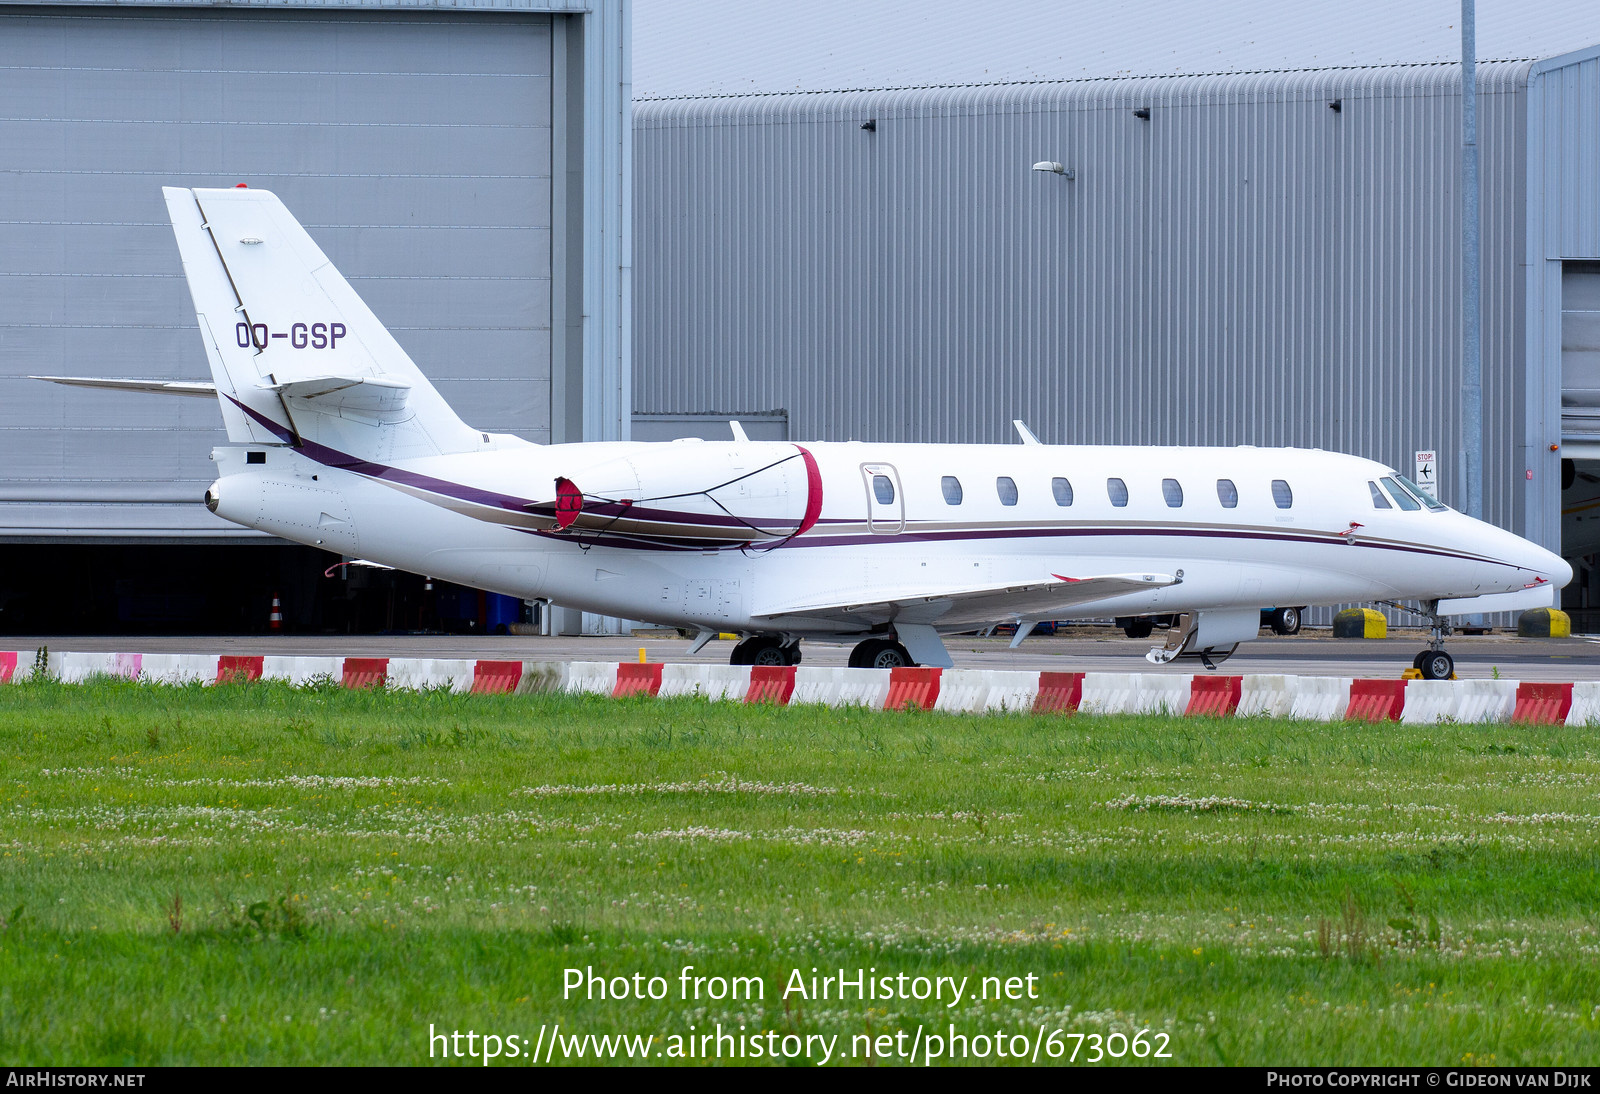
(295, 354)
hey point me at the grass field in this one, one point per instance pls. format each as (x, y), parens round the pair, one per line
(262, 875)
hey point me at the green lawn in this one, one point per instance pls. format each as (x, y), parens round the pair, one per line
(263, 875)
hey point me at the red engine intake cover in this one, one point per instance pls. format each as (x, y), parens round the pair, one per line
(569, 502)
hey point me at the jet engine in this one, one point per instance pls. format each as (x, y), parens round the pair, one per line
(690, 496)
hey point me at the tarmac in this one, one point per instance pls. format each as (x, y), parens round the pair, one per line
(1311, 653)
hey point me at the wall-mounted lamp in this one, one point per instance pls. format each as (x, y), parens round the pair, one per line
(870, 125)
(1054, 168)
(1336, 105)
(1142, 113)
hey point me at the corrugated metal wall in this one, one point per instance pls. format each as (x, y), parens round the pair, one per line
(1245, 266)
(414, 146)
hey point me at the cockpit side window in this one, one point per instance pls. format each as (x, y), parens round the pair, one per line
(1403, 499)
(1378, 500)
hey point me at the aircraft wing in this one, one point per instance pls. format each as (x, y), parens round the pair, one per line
(193, 390)
(978, 603)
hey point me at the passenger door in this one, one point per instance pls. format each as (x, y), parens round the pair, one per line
(886, 503)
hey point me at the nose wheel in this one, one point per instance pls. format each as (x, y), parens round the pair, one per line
(1433, 663)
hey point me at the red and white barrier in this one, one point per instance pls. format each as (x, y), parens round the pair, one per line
(430, 674)
(955, 691)
(1482, 701)
(300, 671)
(591, 678)
(539, 676)
(179, 668)
(1134, 693)
(841, 687)
(1263, 695)
(1585, 705)
(1319, 698)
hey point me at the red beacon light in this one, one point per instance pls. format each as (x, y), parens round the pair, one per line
(241, 186)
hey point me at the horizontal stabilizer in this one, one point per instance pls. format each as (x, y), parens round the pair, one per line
(191, 389)
(1034, 600)
(333, 393)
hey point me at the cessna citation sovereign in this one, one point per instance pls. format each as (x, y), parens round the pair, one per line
(339, 441)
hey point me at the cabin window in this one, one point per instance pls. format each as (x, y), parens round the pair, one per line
(952, 489)
(1403, 499)
(1422, 495)
(1378, 500)
(1227, 494)
(1117, 490)
(1006, 487)
(883, 489)
(1282, 496)
(1062, 489)
(1173, 492)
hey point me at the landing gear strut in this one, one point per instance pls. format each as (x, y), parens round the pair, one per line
(766, 649)
(1434, 662)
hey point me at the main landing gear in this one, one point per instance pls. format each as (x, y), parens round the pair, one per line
(1434, 663)
(766, 649)
(880, 653)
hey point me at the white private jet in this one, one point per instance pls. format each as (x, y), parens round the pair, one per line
(339, 441)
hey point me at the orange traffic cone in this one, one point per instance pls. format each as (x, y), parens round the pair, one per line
(275, 617)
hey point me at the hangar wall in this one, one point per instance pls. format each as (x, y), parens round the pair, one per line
(466, 169)
(1249, 265)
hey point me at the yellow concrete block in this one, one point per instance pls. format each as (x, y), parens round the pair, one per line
(1360, 623)
(1544, 623)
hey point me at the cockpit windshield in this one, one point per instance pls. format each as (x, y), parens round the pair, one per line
(1400, 494)
(1422, 495)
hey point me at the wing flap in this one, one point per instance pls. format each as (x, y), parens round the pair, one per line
(1035, 599)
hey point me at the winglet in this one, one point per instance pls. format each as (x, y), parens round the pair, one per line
(1024, 432)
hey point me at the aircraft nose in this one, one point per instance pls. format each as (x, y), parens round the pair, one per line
(1553, 566)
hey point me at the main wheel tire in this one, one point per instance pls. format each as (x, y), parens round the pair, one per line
(1139, 628)
(792, 652)
(891, 655)
(761, 646)
(1435, 665)
(1416, 662)
(1286, 621)
(863, 653)
(773, 654)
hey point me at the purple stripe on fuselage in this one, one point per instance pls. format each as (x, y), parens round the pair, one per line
(334, 458)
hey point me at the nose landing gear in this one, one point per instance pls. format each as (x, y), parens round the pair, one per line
(1434, 663)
